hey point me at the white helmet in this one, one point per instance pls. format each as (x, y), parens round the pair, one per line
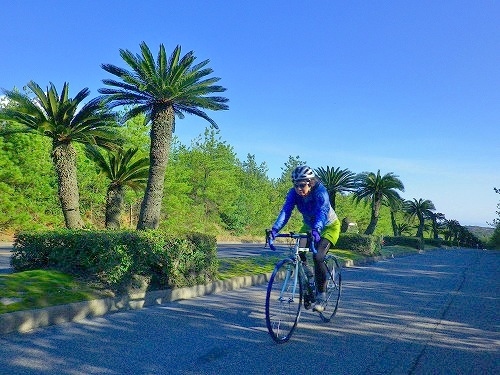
(302, 173)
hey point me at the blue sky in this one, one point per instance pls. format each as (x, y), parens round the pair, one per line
(409, 87)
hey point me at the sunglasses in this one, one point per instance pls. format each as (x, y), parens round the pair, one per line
(301, 185)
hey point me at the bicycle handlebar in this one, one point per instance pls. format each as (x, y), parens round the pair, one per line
(270, 240)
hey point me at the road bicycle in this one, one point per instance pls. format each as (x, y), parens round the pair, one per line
(289, 288)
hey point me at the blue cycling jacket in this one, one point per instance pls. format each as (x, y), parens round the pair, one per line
(315, 208)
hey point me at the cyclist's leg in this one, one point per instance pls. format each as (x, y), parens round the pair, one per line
(329, 237)
(319, 264)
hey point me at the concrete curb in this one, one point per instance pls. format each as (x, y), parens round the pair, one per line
(24, 321)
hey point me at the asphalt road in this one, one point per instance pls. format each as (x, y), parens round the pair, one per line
(432, 313)
(5, 249)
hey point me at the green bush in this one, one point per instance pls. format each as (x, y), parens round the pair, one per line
(415, 242)
(361, 243)
(116, 258)
(433, 242)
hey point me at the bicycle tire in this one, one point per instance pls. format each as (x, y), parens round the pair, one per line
(282, 304)
(333, 288)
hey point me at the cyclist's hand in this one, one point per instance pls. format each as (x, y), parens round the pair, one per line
(315, 235)
(272, 233)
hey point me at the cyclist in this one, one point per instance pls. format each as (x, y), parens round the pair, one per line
(310, 197)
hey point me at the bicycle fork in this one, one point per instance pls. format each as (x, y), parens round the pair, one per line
(286, 282)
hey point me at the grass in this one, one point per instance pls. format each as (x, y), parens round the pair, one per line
(41, 288)
(397, 250)
(234, 267)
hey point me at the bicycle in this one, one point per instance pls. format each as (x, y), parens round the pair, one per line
(289, 287)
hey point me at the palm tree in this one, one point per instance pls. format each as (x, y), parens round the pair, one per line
(453, 230)
(121, 168)
(403, 228)
(376, 188)
(161, 90)
(437, 218)
(336, 180)
(395, 206)
(422, 209)
(59, 118)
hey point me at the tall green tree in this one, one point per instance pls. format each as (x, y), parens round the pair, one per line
(258, 198)
(336, 180)
(421, 209)
(375, 188)
(161, 90)
(123, 170)
(60, 118)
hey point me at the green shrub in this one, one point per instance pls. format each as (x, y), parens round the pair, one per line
(415, 242)
(433, 242)
(361, 243)
(116, 258)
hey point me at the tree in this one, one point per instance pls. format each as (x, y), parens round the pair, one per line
(437, 219)
(286, 171)
(59, 118)
(375, 188)
(395, 206)
(403, 228)
(496, 221)
(495, 238)
(452, 230)
(122, 170)
(161, 90)
(421, 209)
(336, 180)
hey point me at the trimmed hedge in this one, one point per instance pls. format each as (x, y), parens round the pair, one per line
(361, 243)
(433, 242)
(415, 242)
(117, 258)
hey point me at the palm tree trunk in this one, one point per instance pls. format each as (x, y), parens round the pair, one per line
(394, 224)
(64, 158)
(374, 217)
(420, 230)
(435, 229)
(114, 204)
(333, 200)
(162, 124)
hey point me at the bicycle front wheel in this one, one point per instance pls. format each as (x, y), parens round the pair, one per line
(283, 301)
(333, 288)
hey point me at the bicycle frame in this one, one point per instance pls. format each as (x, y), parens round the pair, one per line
(294, 256)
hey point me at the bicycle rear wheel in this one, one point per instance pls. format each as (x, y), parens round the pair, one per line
(333, 288)
(283, 301)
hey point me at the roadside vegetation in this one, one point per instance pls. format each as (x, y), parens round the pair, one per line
(35, 289)
(114, 163)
